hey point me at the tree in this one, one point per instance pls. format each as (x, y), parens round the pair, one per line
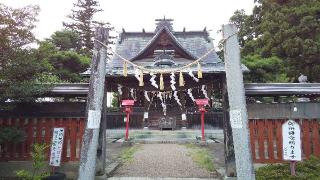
(68, 65)
(264, 70)
(21, 72)
(288, 30)
(15, 30)
(83, 23)
(66, 40)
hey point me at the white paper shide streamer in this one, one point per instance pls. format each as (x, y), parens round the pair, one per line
(164, 106)
(137, 74)
(153, 81)
(146, 96)
(204, 91)
(132, 94)
(175, 95)
(172, 81)
(192, 75)
(120, 89)
(190, 94)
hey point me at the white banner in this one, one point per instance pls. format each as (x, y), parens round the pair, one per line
(56, 147)
(291, 141)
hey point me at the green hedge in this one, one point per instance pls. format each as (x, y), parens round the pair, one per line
(309, 170)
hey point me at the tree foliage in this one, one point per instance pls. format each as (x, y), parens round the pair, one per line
(83, 23)
(15, 30)
(288, 30)
(68, 64)
(264, 69)
(66, 40)
(11, 134)
(20, 68)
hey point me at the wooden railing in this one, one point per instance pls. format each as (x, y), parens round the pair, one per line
(39, 130)
(266, 139)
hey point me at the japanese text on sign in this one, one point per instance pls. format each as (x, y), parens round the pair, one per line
(56, 147)
(94, 117)
(291, 141)
(235, 119)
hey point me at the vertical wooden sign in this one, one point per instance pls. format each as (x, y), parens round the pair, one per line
(56, 147)
(291, 147)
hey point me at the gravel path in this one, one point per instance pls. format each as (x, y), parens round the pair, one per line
(161, 160)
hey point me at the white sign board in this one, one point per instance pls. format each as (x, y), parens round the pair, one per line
(145, 115)
(235, 119)
(183, 117)
(56, 147)
(291, 141)
(94, 118)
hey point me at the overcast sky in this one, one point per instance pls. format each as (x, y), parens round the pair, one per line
(133, 15)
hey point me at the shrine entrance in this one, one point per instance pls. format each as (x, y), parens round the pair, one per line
(163, 72)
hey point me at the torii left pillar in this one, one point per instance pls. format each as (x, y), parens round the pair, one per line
(89, 146)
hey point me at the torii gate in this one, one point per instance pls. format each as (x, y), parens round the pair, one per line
(237, 151)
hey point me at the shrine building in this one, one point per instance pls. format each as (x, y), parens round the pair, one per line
(172, 106)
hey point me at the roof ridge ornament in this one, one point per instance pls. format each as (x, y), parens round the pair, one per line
(163, 23)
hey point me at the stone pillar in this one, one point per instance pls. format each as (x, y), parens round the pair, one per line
(94, 106)
(237, 103)
(101, 152)
(230, 161)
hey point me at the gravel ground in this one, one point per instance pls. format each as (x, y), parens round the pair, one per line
(161, 160)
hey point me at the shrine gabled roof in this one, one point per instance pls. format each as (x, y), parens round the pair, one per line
(194, 43)
(154, 40)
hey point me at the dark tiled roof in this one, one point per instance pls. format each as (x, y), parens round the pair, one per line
(175, 40)
(197, 43)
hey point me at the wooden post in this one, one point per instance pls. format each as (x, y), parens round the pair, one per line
(202, 126)
(94, 105)
(101, 153)
(127, 125)
(237, 103)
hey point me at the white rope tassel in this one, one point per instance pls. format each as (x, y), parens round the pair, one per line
(172, 81)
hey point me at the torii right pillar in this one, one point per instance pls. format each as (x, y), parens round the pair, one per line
(237, 105)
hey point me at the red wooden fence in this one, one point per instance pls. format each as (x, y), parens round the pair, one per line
(39, 130)
(266, 139)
